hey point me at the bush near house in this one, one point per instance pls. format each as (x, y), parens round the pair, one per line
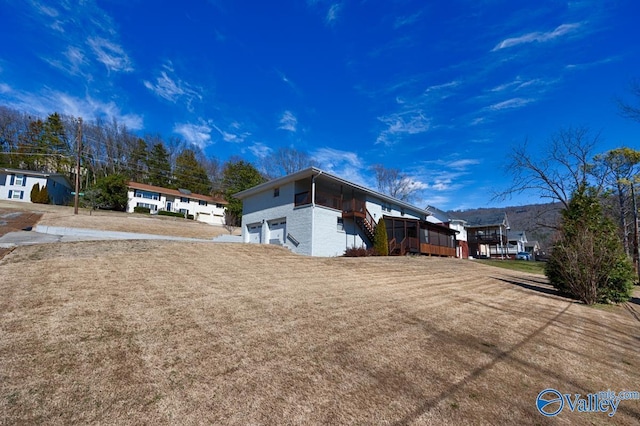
(380, 243)
(174, 214)
(588, 261)
(358, 252)
(38, 195)
(139, 209)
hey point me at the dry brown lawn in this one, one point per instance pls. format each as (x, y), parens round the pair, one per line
(118, 221)
(149, 332)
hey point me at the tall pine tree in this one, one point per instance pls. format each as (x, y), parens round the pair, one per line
(189, 173)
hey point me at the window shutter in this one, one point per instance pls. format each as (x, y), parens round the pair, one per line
(21, 194)
(13, 178)
(24, 180)
(10, 192)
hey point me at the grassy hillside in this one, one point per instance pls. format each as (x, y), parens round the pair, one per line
(142, 332)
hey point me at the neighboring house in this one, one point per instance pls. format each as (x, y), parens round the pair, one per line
(318, 214)
(516, 243)
(457, 224)
(532, 247)
(487, 235)
(16, 185)
(204, 208)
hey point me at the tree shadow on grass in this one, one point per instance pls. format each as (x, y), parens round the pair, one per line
(541, 287)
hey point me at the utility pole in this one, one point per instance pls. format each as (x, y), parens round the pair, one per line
(76, 198)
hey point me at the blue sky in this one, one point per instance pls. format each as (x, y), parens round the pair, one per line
(439, 89)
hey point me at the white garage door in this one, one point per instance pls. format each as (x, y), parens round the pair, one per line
(255, 233)
(277, 231)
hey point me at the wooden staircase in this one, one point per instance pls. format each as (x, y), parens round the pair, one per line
(357, 210)
(367, 227)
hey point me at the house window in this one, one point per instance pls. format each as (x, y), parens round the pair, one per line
(340, 224)
(17, 195)
(184, 199)
(276, 192)
(202, 203)
(183, 211)
(147, 205)
(146, 194)
(19, 180)
(220, 206)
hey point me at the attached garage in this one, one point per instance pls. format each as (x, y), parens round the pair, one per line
(277, 231)
(255, 233)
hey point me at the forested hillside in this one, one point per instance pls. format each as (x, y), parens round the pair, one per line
(537, 220)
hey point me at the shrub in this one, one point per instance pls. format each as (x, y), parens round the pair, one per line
(174, 214)
(587, 261)
(35, 192)
(43, 197)
(358, 252)
(139, 209)
(380, 242)
(39, 195)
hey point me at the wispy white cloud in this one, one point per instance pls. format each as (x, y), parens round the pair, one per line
(89, 108)
(345, 164)
(463, 164)
(333, 14)
(172, 88)
(401, 124)
(439, 87)
(73, 62)
(260, 150)
(510, 104)
(403, 21)
(195, 134)
(288, 122)
(537, 36)
(233, 133)
(111, 54)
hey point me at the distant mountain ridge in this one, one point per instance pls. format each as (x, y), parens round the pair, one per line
(537, 220)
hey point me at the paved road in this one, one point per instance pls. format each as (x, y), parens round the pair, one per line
(54, 234)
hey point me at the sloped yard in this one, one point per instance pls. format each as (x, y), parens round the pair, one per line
(185, 333)
(118, 221)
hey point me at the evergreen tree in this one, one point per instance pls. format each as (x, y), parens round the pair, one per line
(35, 193)
(189, 173)
(159, 166)
(55, 144)
(380, 242)
(238, 176)
(588, 261)
(111, 192)
(43, 196)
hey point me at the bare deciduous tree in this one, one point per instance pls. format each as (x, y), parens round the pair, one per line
(554, 170)
(285, 161)
(395, 183)
(627, 109)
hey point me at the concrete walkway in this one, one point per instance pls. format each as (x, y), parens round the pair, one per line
(54, 234)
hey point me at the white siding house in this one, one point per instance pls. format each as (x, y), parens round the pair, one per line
(16, 185)
(203, 208)
(315, 213)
